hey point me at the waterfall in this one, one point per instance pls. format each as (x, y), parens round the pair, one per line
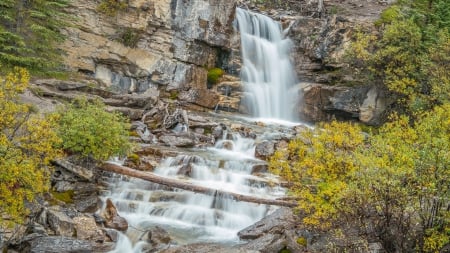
(267, 72)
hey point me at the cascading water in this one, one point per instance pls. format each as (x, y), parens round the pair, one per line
(267, 72)
(191, 217)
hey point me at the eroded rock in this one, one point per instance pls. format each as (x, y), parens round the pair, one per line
(112, 218)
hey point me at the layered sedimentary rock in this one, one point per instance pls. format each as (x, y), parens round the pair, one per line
(167, 44)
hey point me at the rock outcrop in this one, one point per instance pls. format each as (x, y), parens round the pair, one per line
(164, 44)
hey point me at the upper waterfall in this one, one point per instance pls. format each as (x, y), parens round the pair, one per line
(267, 72)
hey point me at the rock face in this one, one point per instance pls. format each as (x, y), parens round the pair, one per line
(167, 44)
(320, 45)
(322, 103)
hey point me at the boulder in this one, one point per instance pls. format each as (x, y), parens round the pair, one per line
(60, 223)
(86, 229)
(158, 236)
(273, 233)
(322, 103)
(181, 140)
(264, 150)
(112, 218)
(142, 131)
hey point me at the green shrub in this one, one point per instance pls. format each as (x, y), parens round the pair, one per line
(214, 74)
(302, 241)
(111, 7)
(66, 196)
(130, 37)
(87, 129)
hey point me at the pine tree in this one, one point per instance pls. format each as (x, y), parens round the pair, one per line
(30, 32)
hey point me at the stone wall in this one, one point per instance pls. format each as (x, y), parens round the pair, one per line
(167, 44)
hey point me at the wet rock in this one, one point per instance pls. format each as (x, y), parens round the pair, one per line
(111, 234)
(217, 131)
(264, 150)
(185, 170)
(142, 131)
(158, 236)
(56, 244)
(275, 223)
(226, 144)
(259, 168)
(60, 223)
(267, 243)
(177, 140)
(112, 218)
(86, 229)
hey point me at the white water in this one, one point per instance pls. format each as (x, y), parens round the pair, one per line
(191, 217)
(188, 217)
(267, 72)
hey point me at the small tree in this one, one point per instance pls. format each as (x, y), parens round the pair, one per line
(89, 130)
(27, 144)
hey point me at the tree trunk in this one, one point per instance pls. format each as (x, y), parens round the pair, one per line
(191, 187)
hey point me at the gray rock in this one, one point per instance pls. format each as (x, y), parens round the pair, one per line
(60, 223)
(86, 229)
(264, 150)
(259, 168)
(87, 204)
(158, 236)
(177, 140)
(217, 131)
(56, 244)
(267, 243)
(112, 218)
(276, 223)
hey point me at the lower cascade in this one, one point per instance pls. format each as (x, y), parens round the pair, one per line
(191, 217)
(267, 72)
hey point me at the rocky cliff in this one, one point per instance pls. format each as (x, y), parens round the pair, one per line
(164, 44)
(167, 46)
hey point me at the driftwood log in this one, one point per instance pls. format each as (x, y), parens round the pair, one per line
(148, 176)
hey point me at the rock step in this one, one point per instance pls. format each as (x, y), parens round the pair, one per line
(188, 213)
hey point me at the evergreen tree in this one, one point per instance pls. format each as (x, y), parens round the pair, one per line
(30, 32)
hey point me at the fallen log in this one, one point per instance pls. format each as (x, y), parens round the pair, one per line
(148, 176)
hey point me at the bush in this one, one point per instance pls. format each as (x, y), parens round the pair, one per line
(214, 74)
(393, 185)
(87, 129)
(111, 7)
(27, 145)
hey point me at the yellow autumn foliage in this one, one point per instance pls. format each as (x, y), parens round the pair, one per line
(393, 184)
(27, 144)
